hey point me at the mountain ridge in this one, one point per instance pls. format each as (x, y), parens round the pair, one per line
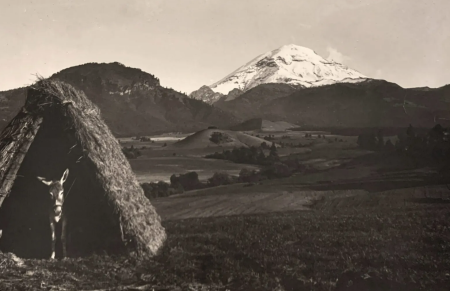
(371, 103)
(132, 101)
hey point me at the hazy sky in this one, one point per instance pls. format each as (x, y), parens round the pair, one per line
(189, 43)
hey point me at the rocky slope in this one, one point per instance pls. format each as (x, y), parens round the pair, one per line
(205, 94)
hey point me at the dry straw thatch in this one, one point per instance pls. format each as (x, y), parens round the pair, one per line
(141, 230)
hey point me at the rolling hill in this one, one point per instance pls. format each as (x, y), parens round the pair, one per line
(228, 139)
(259, 124)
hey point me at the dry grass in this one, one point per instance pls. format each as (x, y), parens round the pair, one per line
(300, 250)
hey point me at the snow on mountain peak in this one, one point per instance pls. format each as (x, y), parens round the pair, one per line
(290, 64)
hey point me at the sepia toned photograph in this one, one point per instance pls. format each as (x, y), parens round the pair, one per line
(225, 145)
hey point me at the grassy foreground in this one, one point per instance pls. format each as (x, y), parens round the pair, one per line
(303, 250)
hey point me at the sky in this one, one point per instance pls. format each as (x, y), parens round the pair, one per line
(190, 43)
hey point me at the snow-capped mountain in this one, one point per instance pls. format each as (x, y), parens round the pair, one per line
(289, 64)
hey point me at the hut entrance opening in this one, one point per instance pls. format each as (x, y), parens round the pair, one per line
(91, 225)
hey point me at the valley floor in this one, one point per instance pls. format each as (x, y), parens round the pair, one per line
(374, 213)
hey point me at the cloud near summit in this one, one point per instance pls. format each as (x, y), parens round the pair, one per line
(337, 56)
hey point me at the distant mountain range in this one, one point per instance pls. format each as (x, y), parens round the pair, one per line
(370, 103)
(286, 87)
(295, 85)
(132, 102)
(291, 64)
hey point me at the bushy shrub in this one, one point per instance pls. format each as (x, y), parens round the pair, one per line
(144, 138)
(187, 182)
(277, 170)
(219, 138)
(131, 152)
(159, 189)
(249, 176)
(221, 178)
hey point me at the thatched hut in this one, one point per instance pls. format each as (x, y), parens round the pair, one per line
(60, 128)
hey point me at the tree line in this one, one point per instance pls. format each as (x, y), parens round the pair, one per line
(430, 147)
(434, 142)
(190, 181)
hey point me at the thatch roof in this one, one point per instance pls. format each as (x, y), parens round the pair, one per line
(140, 224)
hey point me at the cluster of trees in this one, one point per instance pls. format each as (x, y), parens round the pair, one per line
(142, 138)
(290, 144)
(190, 181)
(159, 189)
(251, 155)
(406, 141)
(434, 143)
(178, 184)
(186, 182)
(281, 169)
(318, 136)
(269, 137)
(222, 178)
(131, 152)
(219, 138)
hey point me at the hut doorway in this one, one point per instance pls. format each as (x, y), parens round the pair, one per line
(24, 215)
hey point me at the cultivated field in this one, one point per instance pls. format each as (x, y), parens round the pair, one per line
(407, 242)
